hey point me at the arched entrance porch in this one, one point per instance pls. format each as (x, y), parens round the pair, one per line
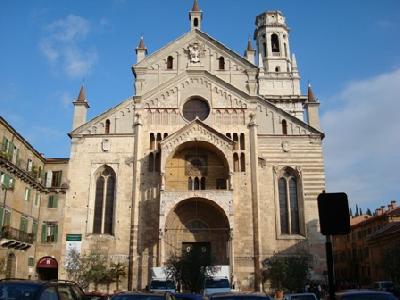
(198, 223)
(47, 268)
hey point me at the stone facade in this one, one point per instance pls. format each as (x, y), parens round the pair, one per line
(212, 149)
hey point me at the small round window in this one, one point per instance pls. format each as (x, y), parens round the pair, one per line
(196, 107)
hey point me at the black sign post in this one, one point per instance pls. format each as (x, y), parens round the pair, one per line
(333, 210)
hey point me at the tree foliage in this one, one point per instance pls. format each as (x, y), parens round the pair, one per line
(189, 269)
(93, 268)
(287, 272)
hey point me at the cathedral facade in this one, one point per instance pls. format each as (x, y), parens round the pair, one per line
(215, 150)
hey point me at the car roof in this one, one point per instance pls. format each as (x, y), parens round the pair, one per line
(350, 292)
(238, 294)
(301, 294)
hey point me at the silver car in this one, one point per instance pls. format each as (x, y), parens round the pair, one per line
(364, 295)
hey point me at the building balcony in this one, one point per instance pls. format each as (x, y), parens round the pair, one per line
(11, 237)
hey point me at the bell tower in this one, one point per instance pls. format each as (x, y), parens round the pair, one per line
(278, 74)
(195, 16)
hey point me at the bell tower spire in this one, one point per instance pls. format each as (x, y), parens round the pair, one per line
(80, 109)
(195, 16)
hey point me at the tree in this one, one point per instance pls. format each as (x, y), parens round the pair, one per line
(357, 211)
(391, 261)
(361, 212)
(189, 269)
(369, 213)
(287, 272)
(75, 266)
(117, 270)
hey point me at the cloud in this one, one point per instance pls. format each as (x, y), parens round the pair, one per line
(362, 140)
(64, 45)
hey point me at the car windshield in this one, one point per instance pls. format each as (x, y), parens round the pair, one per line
(138, 297)
(162, 285)
(20, 291)
(212, 283)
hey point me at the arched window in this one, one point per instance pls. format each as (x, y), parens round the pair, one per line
(107, 128)
(284, 127)
(235, 162)
(159, 139)
(196, 22)
(104, 204)
(277, 69)
(221, 63)
(274, 42)
(289, 203)
(242, 163)
(170, 62)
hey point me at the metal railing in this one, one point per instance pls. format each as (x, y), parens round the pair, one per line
(11, 233)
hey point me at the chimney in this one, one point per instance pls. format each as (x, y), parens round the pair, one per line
(393, 204)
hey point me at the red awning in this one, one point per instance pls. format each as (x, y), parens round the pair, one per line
(47, 262)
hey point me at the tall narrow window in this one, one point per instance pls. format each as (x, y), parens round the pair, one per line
(152, 141)
(285, 47)
(196, 22)
(242, 163)
(229, 135)
(242, 147)
(221, 63)
(284, 127)
(157, 162)
(107, 128)
(196, 184)
(283, 210)
(236, 141)
(274, 42)
(235, 162)
(159, 139)
(289, 202)
(203, 183)
(151, 162)
(104, 206)
(170, 62)
(294, 206)
(265, 49)
(190, 184)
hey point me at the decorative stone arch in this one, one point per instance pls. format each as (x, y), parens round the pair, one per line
(196, 131)
(221, 199)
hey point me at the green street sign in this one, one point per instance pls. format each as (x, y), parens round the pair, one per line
(73, 237)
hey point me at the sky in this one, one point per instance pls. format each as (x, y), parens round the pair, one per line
(348, 50)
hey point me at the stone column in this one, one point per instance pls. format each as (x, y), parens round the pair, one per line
(137, 129)
(255, 198)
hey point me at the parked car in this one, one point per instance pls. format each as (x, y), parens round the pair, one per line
(386, 286)
(183, 296)
(364, 295)
(239, 296)
(12, 289)
(300, 296)
(98, 296)
(143, 296)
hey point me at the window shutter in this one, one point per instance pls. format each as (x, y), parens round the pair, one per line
(55, 232)
(50, 202)
(6, 180)
(29, 194)
(44, 231)
(34, 229)
(49, 176)
(55, 201)
(7, 217)
(4, 144)
(1, 216)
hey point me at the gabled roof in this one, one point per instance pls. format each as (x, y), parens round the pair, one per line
(201, 34)
(201, 123)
